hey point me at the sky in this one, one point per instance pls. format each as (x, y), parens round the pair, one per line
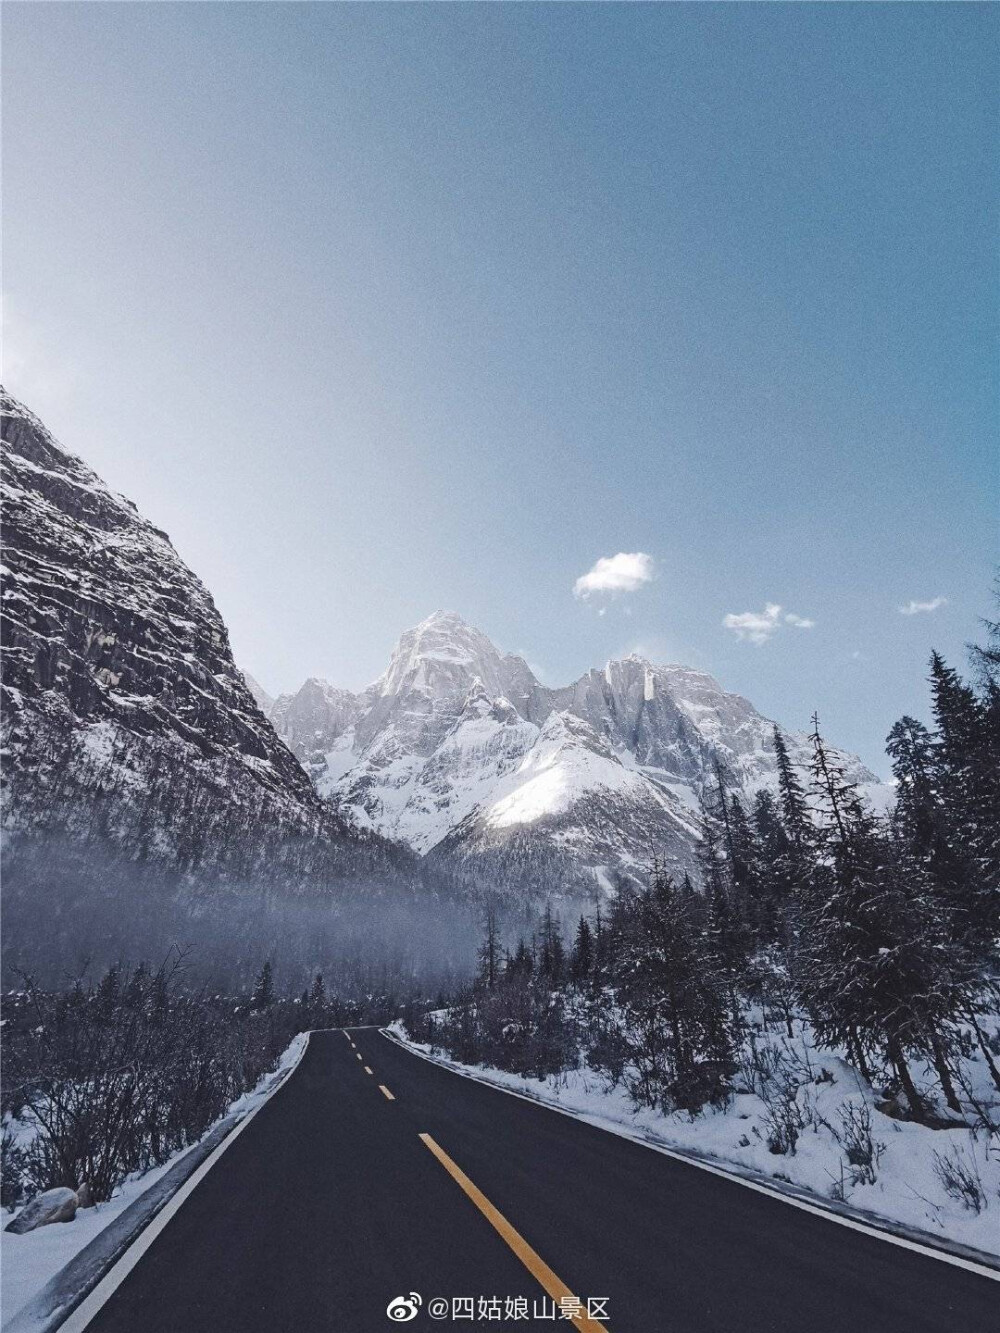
(668, 329)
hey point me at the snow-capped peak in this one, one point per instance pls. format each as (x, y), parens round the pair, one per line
(443, 655)
(457, 746)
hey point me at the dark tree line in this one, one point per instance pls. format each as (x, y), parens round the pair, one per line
(881, 930)
(117, 1076)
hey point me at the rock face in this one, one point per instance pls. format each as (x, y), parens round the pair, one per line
(458, 751)
(118, 670)
(58, 1205)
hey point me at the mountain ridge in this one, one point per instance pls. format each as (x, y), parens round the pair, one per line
(456, 746)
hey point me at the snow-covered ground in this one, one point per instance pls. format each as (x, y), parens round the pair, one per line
(29, 1261)
(907, 1189)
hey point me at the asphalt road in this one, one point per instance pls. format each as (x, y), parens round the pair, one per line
(330, 1205)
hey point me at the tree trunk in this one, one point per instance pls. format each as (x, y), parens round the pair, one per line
(944, 1074)
(899, 1064)
(856, 1049)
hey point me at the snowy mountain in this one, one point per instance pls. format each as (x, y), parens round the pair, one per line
(125, 720)
(459, 752)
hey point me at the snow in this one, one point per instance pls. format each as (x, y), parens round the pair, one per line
(29, 1261)
(906, 1191)
(555, 774)
(459, 741)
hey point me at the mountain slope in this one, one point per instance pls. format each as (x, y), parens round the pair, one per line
(146, 798)
(458, 751)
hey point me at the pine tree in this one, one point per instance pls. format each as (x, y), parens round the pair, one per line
(675, 1026)
(263, 991)
(582, 959)
(709, 853)
(744, 869)
(910, 747)
(489, 949)
(109, 990)
(551, 954)
(794, 808)
(727, 946)
(520, 963)
(967, 777)
(317, 1000)
(775, 882)
(874, 961)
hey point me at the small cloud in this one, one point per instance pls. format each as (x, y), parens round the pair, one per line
(623, 572)
(759, 626)
(914, 608)
(755, 626)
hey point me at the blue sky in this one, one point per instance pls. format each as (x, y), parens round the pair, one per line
(377, 309)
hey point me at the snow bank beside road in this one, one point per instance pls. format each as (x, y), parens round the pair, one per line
(906, 1192)
(30, 1262)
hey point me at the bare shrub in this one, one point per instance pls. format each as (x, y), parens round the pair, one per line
(776, 1074)
(959, 1176)
(116, 1078)
(862, 1150)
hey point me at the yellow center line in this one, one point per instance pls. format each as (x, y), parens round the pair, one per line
(535, 1265)
(367, 1070)
(385, 1092)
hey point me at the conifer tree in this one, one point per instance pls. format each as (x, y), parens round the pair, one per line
(263, 991)
(874, 962)
(794, 808)
(551, 953)
(489, 949)
(582, 958)
(775, 882)
(674, 1027)
(317, 998)
(521, 962)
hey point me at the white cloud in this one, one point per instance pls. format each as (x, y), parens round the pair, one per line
(623, 572)
(914, 608)
(759, 626)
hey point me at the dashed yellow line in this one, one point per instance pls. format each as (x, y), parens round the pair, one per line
(385, 1092)
(535, 1265)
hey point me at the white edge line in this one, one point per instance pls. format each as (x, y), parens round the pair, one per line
(79, 1318)
(855, 1224)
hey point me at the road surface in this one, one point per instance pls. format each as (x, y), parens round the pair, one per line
(338, 1198)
